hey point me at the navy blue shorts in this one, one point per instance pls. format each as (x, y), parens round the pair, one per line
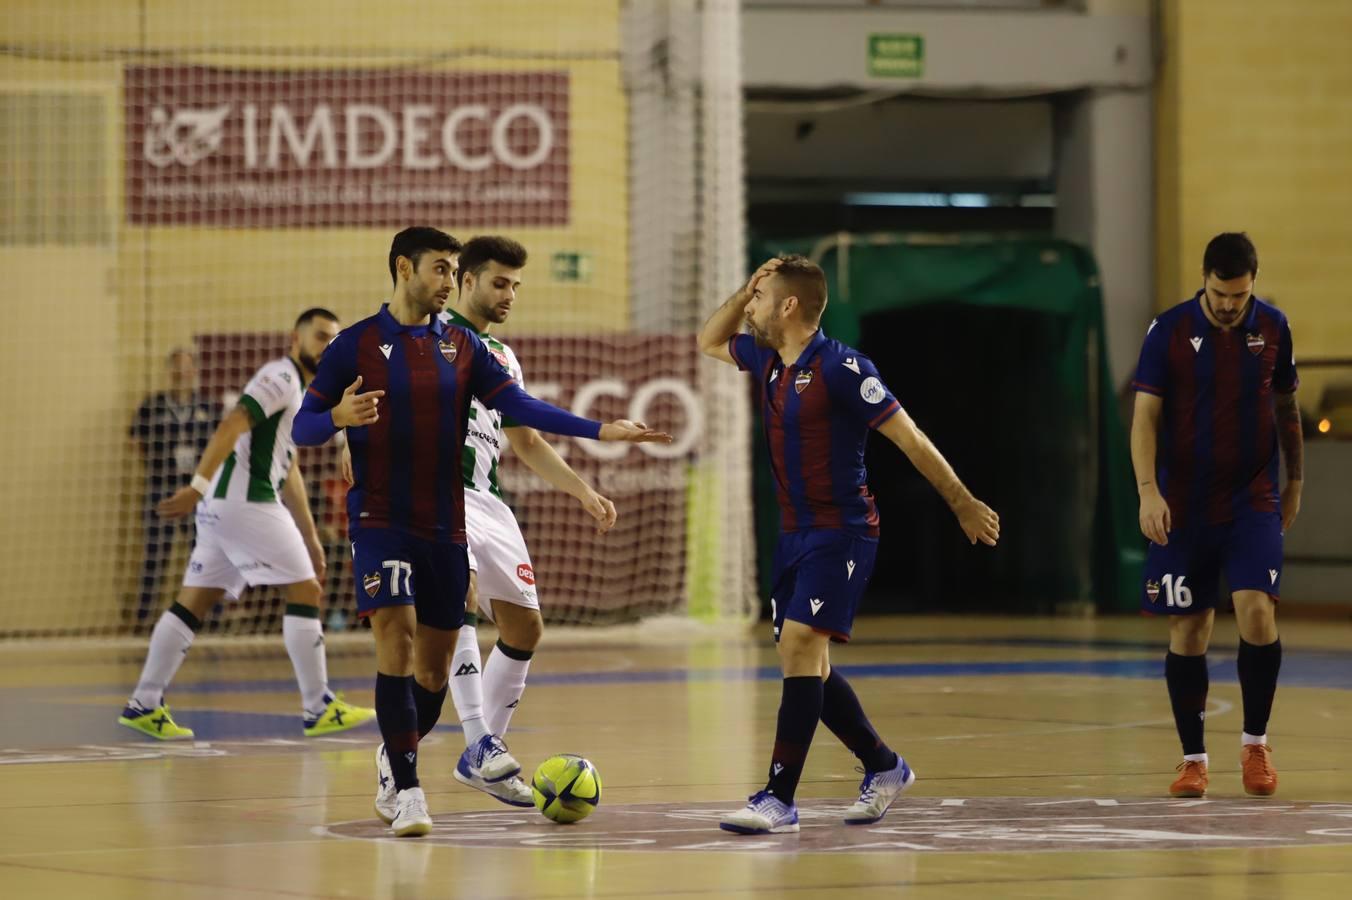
(1183, 576)
(819, 579)
(392, 568)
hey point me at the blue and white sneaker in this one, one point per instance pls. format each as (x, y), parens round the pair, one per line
(878, 791)
(387, 798)
(764, 814)
(487, 761)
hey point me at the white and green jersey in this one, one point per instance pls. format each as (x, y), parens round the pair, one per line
(255, 469)
(484, 439)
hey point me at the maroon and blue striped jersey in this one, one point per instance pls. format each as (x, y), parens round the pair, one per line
(1217, 454)
(406, 466)
(817, 414)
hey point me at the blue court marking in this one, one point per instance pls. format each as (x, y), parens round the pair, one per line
(1299, 669)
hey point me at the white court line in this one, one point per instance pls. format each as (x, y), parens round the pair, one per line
(1221, 708)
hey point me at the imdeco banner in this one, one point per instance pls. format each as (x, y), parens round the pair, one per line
(332, 148)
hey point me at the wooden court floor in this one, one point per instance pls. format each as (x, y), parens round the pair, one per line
(1044, 749)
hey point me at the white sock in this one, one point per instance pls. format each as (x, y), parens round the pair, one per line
(1245, 739)
(169, 643)
(467, 690)
(304, 639)
(1195, 757)
(504, 682)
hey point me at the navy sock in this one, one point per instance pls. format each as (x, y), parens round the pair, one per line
(842, 713)
(398, 719)
(1258, 666)
(800, 707)
(1188, 683)
(428, 704)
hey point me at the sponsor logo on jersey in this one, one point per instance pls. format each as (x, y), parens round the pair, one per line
(1196, 344)
(447, 349)
(872, 390)
(1272, 575)
(1255, 343)
(801, 381)
(500, 357)
(525, 573)
(371, 583)
(816, 605)
(1152, 590)
(387, 349)
(852, 364)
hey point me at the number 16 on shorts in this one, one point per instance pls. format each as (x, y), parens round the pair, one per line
(1171, 590)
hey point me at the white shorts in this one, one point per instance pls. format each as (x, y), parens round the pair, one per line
(241, 544)
(497, 554)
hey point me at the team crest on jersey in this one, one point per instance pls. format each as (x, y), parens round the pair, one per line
(1255, 343)
(801, 381)
(525, 573)
(447, 349)
(1152, 590)
(371, 583)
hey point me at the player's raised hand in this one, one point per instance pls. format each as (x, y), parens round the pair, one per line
(634, 432)
(979, 522)
(356, 410)
(601, 509)
(182, 502)
(1156, 520)
(345, 465)
(766, 269)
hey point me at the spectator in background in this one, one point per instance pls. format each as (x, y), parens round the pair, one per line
(171, 429)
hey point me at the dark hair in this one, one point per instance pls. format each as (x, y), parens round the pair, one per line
(414, 242)
(1230, 255)
(804, 279)
(315, 312)
(479, 251)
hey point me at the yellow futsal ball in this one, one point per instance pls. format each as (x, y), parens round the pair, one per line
(566, 788)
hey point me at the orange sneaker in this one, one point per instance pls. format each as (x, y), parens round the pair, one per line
(1260, 779)
(1192, 780)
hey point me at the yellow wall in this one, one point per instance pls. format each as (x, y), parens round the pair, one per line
(68, 468)
(1255, 134)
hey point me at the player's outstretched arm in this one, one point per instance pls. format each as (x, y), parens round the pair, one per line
(516, 403)
(184, 500)
(727, 319)
(298, 504)
(545, 461)
(1155, 518)
(979, 522)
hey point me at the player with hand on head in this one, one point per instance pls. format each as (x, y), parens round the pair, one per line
(819, 399)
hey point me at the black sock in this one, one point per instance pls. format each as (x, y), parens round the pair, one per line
(428, 704)
(1188, 682)
(800, 707)
(842, 714)
(1258, 667)
(186, 615)
(398, 719)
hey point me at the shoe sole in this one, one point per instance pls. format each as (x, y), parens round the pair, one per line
(469, 782)
(905, 786)
(414, 829)
(131, 723)
(744, 829)
(1188, 795)
(1259, 792)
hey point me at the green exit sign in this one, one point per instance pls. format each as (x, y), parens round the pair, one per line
(896, 55)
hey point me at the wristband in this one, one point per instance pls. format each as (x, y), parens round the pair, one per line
(201, 484)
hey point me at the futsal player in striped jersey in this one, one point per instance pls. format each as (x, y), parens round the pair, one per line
(401, 382)
(819, 400)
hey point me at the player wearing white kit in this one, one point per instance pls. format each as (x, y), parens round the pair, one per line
(254, 527)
